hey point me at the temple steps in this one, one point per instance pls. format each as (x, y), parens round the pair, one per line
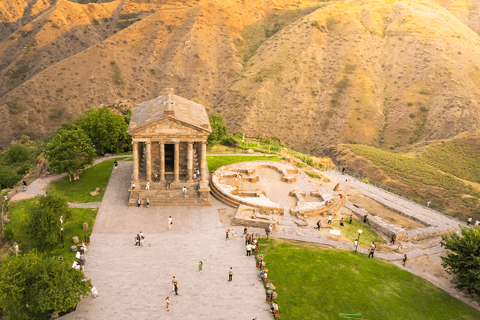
(221, 197)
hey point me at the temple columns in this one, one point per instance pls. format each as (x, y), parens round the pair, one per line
(162, 161)
(176, 169)
(136, 161)
(190, 161)
(149, 161)
(203, 163)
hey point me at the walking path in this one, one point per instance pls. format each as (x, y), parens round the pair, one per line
(133, 282)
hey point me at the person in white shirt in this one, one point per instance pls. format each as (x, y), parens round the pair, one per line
(133, 185)
(249, 249)
(169, 222)
(142, 238)
(184, 191)
(329, 219)
(469, 221)
(147, 187)
(477, 223)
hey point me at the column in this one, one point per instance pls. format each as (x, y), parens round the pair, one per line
(203, 162)
(135, 161)
(190, 161)
(162, 161)
(176, 160)
(149, 160)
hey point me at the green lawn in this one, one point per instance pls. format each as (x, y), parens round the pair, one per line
(350, 231)
(216, 162)
(94, 177)
(314, 283)
(73, 227)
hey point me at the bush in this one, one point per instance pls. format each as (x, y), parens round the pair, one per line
(8, 177)
(7, 234)
(229, 140)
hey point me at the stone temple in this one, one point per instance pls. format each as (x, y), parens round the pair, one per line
(169, 137)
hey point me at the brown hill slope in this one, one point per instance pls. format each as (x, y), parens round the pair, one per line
(379, 73)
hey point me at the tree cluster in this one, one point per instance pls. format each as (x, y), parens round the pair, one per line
(219, 132)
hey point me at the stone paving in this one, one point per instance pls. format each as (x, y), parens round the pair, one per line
(133, 282)
(88, 205)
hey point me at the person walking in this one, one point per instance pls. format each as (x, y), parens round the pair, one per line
(244, 232)
(247, 239)
(329, 219)
(133, 185)
(351, 218)
(234, 235)
(175, 286)
(356, 244)
(226, 234)
(184, 191)
(365, 217)
(115, 165)
(394, 237)
(230, 274)
(469, 221)
(147, 187)
(170, 222)
(318, 225)
(404, 259)
(139, 202)
(200, 267)
(167, 300)
(137, 240)
(341, 222)
(169, 185)
(148, 203)
(142, 238)
(249, 249)
(372, 250)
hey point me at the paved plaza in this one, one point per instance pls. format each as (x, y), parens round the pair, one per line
(133, 281)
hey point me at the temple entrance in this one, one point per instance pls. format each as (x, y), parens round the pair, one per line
(169, 158)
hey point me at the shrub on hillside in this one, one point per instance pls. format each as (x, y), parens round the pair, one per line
(8, 177)
(17, 153)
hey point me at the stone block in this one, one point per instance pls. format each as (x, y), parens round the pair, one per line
(75, 239)
(97, 189)
(85, 226)
(301, 223)
(94, 193)
(260, 256)
(270, 286)
(73, 248)
(250, 151)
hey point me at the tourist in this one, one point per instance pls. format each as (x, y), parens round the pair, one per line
(24, 185)
(115, 165)
(83, 247)
(428, 204)
(200, 267)
(169, 185)
(249, 249)
(155, 177)
(341, 222)
(247, 239)
(355, 243)
(147, 187)
(133, 185)
(351, 218)
(226, 235)
(264, 276)
(254, 247)
(373, 245)
(262, 272)
(230, 274)
(137, 240)
(343, 170)
(142, 238)
(234, 235)
(318, 225)
(255, 242)
(477, 223)
(394, 237)
(184, 191)
(139, 202)
(329, 219)
(94, 292)
(148, 202)
(270, 227)
(365, 217)
(170, 222)
(469, 221)
(244, 232)
(372, 250)
(274, 306)
(168, 303)
(346, 198)
(175, 286)
(404, 259)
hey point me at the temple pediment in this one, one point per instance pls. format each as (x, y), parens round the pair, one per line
(168, 127)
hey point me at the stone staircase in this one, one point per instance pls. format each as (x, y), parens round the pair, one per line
(217, 194)
(160, 196)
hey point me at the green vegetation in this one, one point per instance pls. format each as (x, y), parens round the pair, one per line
(117, 73)
(17, 231)
(313, 283)
(216, 162)
(463, 257)
(34, 286)
(454, 158)
(125, 20)
(219, 129)
(78, 191)
(350, 232)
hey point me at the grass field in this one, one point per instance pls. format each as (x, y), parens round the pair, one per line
(73, 227)
(219, 161)
(94, 177)
(350, 232)
(313, 283)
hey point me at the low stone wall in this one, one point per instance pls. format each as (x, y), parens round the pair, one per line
(250, 217)
(428, 232)
(305, 209)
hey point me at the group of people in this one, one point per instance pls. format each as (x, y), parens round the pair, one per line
(232, 233)
(469, 222)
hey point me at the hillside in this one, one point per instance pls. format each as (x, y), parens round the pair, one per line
(382, 73)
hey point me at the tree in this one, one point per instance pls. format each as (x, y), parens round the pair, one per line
(17, 153)
(43, 220)
(34, 286)
(464, 261)
(70, 150)
(107, 130)
(219, 130)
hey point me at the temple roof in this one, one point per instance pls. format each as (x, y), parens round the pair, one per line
(169, 106)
